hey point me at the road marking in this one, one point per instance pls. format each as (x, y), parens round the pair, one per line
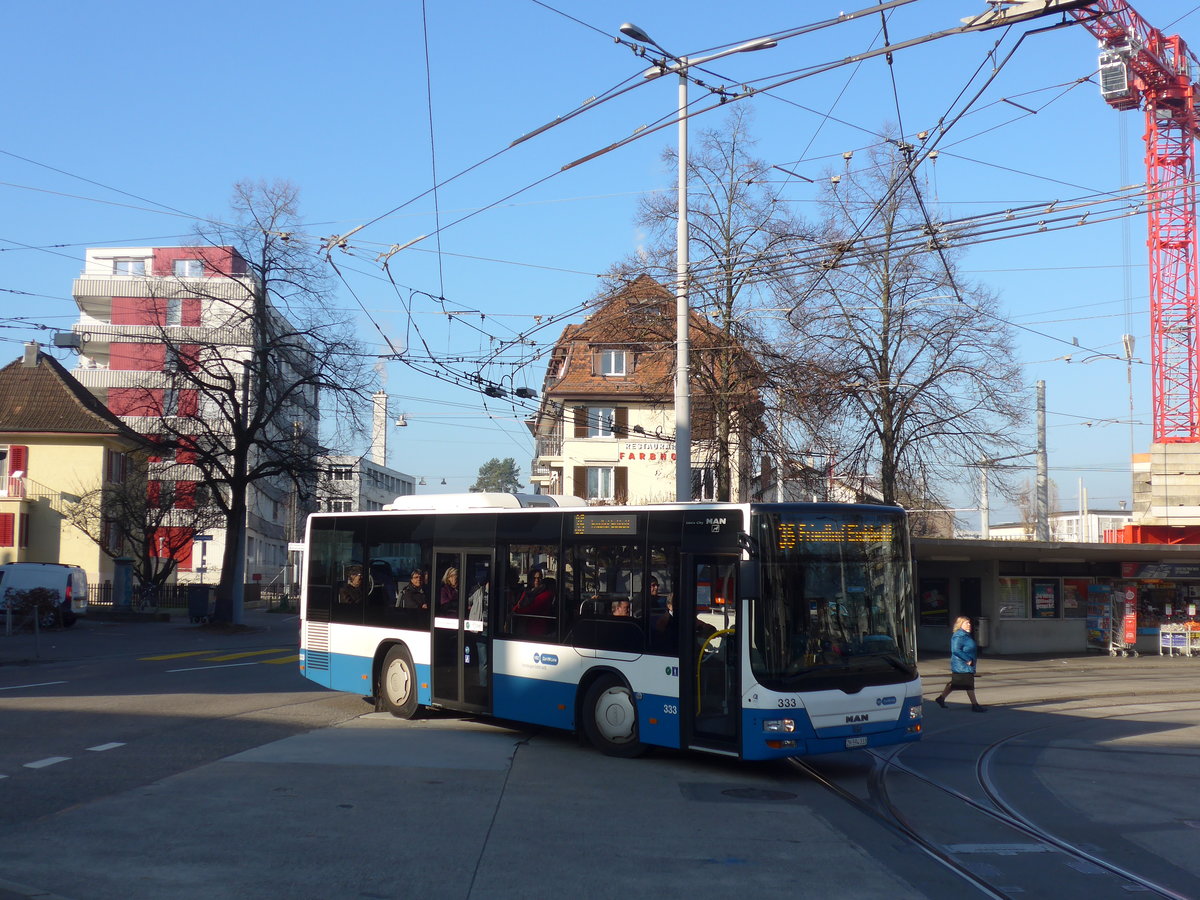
(102, 747)
(202, 668)
(18, 687)
(48, 761)
(173, 655)
(294, 658)
(245, 654)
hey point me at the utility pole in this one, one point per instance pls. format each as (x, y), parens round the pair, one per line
(1042, 515)
(1041, 503)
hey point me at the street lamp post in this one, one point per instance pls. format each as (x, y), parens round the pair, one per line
(683, 395)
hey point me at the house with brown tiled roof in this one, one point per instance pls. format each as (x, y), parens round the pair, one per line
(59, 441)
(605, 426)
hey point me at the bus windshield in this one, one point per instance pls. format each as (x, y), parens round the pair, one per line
(835, 600)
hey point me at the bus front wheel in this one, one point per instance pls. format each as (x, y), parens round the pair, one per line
(398, 683)
(610, 718)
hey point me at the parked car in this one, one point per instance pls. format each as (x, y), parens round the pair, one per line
(69, 583)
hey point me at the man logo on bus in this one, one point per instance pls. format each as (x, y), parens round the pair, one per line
(858, 717)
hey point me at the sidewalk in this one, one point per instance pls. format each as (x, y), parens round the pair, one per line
(938, 664)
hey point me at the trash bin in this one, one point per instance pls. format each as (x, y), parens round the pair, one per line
(199, 603)
(983, 633)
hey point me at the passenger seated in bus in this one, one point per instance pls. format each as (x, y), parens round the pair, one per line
(534, 608)
(382, 584)
(658, 602)
(664, 630)
(622, 608)
(351, 591)
(448, 595)
(413, 594)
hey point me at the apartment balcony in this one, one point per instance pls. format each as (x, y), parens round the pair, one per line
(100, 331)
(12, 487)
(549, 445)
(123, 378)
(92, 287)
(153, 424)
(169, 470)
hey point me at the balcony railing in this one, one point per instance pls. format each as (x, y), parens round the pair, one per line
(549, 445)
(12, 486)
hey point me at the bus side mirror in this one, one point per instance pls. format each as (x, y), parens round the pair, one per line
(748, 578)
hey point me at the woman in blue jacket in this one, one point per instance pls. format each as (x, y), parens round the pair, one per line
(963, 653)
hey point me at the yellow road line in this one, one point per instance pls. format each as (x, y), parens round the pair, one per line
(230, 656)
(283, 659)
(174, 655)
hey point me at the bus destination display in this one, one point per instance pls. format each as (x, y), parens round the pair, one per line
(586, 523)
(793, 533)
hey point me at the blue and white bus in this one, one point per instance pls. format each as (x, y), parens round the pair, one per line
(757, 631)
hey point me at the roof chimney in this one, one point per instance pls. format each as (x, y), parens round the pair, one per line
(30, 359)
(379, 428)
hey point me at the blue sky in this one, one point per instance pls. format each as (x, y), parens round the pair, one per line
(113, 118)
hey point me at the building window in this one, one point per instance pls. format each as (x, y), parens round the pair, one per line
(188, 268)
(129, 267)
(1013, 598)
(339, 506)
(174, 311)
(600, 421)
(111, 536)
(704, 484)
(341, 473)
(612, 362)
(116, 467)
(600, 483)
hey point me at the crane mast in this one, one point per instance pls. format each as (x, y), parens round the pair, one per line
(1140, 67)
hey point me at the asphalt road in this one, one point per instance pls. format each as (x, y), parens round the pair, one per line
(169, 760)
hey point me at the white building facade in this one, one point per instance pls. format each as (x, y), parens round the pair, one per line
(146, 313)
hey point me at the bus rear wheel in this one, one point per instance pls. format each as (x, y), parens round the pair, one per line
(398, 683)
(610, 718)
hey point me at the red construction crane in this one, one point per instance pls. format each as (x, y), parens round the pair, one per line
(1142, 67)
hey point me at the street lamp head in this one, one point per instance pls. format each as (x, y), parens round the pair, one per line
(632, 31)
(764, 44)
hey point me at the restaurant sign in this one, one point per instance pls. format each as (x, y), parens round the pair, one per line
(645, 451)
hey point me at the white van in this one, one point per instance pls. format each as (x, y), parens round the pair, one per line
(69, 582)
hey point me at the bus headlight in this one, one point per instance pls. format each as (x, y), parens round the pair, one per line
(779, 725)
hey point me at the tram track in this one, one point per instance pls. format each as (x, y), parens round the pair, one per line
(995, 808)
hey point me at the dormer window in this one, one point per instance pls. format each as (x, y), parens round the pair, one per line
(610, 362)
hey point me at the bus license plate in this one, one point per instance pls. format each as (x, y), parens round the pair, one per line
(855, 742)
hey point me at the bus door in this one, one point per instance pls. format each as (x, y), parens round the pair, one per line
(462, 648)
(710, 695)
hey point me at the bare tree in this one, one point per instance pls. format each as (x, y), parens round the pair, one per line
(147, 518)
(902, 372)
(737, 231)
(248, 376)
(1027, 505)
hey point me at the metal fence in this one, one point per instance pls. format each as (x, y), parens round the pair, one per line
(177, 596)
